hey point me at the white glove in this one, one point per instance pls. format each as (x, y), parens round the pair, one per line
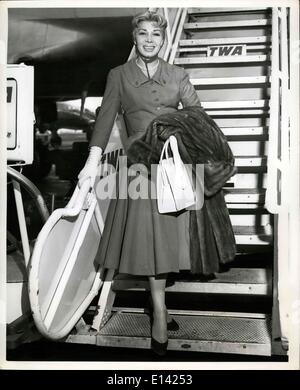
(90, 169)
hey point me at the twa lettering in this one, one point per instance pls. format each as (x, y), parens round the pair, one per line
(222, 51)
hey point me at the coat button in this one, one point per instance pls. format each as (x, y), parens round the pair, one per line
(136, 83)
(158, 108)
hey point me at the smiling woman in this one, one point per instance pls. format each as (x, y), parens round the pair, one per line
(148, 38)
(137, 240)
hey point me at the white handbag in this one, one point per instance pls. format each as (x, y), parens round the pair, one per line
(174, 186)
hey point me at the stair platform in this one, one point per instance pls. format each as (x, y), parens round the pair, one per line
(211, 332)
(249, 281)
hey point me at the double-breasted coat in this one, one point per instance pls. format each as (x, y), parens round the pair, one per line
(137, 239)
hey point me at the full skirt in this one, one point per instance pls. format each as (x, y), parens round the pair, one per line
(138, 240)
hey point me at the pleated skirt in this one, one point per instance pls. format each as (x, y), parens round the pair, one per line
(138, 240)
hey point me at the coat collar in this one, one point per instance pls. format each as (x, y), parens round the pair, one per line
(136, 77)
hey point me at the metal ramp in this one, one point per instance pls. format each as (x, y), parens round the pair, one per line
(199, 332)
(235, 91)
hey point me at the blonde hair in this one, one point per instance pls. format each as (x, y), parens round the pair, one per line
(149, 16)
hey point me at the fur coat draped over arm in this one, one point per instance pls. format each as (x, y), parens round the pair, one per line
(200, 141)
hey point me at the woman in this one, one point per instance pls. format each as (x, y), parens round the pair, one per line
(137, 239)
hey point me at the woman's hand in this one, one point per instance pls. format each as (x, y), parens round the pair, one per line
(90, 169)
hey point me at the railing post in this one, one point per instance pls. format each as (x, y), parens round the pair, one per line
(177, 36)
(271, 201)
(294, 185)
(22, 221)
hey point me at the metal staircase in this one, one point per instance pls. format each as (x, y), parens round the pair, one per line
(235, 91)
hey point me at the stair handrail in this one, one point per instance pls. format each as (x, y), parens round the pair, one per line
(171, 31)
(278, 176)
(19, 180)
(177, 30)
(32, 190)
(278, 166)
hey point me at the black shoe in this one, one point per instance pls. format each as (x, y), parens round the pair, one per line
(159, 348)
(171, 326)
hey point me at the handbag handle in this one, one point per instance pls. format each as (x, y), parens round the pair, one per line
(175, 151)
(164, 150)
(172, 142)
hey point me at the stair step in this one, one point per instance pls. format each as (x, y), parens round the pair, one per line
(237, 113)
(227, 24)
(224, 41)
(246, 207)
(221, 59)
(244, 195)
(192, 11)
(143, 310)
(241, 335)
(243, 133)
(248, 180)
(249, 216)
(232, 139)
(250, 161)
(255, 148)
(236, 104)
(204, 49)
(243, 122)
(254, 281)
(253, 235)
(230, 80)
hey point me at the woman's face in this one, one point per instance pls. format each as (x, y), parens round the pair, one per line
(149, 39)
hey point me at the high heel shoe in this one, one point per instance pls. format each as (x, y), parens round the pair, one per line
(171, 326)
(156, 346)
(159, 348)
